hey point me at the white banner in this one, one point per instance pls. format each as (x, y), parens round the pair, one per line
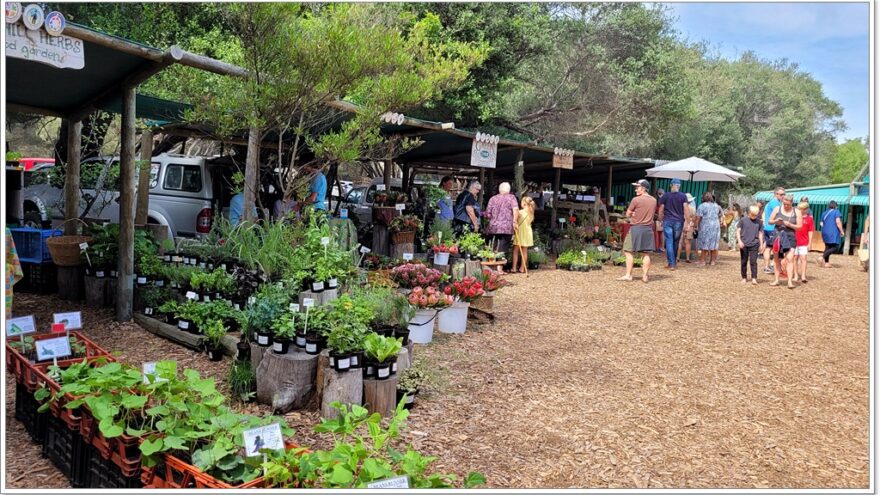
(484, 151)
(62, 51)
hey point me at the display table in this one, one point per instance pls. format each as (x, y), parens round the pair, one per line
(499, 265)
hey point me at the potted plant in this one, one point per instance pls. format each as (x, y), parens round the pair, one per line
(410, 275)
(382, 351)
(214, 332)
(403, 229)
(536, 258)
(343, 341)
(168, 311)
(427, 301)
(266, 307)
(454, 318)
(442, 252)
(471, 244)
(154, 297)
(283, 329)
(410, 382)
(242, 381)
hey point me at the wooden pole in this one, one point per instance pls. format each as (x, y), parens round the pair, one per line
(72, 176)
(556, 185)
(482, 185)
(389, 164)
(608, 192)
(143, 189)
(519, 174)
(252, 166)
(848, 227)
(124, 290)
(406, 179)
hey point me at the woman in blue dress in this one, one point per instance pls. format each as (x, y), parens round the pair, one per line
(709, 216)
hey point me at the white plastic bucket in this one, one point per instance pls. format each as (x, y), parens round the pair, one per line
(441, 259)
(454, 318)
(421, 327)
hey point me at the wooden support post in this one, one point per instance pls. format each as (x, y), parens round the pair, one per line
(556, 185)
(389, 163)
(143, 188)
(251, 172)
(482, 186)
(491, 187)
(71, 177)
(519, 175)
(125, 290)
(608, 192)
(380, 396)
(406, 180)
(848, 228)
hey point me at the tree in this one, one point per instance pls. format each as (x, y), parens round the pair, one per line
(849, 158)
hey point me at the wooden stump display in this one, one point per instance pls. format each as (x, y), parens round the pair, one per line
(404, 360)
(323, 364)
(95, 291)
(71, 283)
(397, 250)
(110, 293)
(380, 396)
(257, 354)
(381, 239)
(286, 381)
(346, 387)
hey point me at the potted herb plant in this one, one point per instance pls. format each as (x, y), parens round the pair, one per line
(410, 382)
(242, 381)
(382, 351)
(214, 332)
(284, 329)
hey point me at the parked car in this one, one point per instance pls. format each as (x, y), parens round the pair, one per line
(186, 193)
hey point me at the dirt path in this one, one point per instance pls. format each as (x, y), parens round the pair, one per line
(690, 381)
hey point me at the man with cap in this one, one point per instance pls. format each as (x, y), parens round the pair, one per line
(673, 214)
(641, 232)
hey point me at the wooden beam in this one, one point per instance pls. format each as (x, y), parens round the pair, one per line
(191, 133)
(113, 42)
(848, 228)
(143, 188)
(251, 169)
(519, 174)
(125, 284)
(72, 194)
(189, 59)
(482, 185)
(608, 191)
(466, 153)
(19, 108)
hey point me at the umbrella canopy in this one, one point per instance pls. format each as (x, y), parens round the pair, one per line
(694, 169)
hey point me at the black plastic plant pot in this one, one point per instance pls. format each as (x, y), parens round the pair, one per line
(102, 272)
(186, 325)
(313, 344)
(394, 365)
(264, 339)
(357, 359)
(90, 272)
(368, 368)
(142, 280)
(402, 332)
(205, 297)
(171, 320)
(243, 351)
(167, 257)
(280, 346)
(318, 287)
(215, 354)
(307, 284)
(333, 283)
(300, 340)
(410, 398)
(231, 325)
(114, 274)
(386, 331)
(161, 282)
(533, 265)
(341, 361)
(383, 370)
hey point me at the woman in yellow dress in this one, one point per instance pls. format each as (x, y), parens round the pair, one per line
(522, 236)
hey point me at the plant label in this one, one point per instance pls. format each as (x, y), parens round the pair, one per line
(71, 321)
(380, 187)
(52, 348)
(83, 246)
(365, 250)
(397, 482)
(407, 256)
(400, 206)
(263, 438)
(142, 280)
(58, 328)
(149, 368)
(294, 307)
(343, 213)
(183, 325)
(191, 295)
(20, 326)
(308, 302)
(251, 300)
(561, 220)
(325, 241)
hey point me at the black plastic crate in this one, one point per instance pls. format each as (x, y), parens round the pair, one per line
(103, 473)
(26, 406)
(39, 278)
(67, 450)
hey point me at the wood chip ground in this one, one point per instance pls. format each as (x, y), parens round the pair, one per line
(690, 381)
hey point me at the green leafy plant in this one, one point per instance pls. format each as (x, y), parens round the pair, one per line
(287, 325)
(347, 337)
(242, 380)
(270, 302)
(381, 348)
(214, 332)
(405, 223)
(471, 243)
(412, 379)
(536, 255)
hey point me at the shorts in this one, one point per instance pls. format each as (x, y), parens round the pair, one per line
(801, 250)
(639, 239)
(769, 237)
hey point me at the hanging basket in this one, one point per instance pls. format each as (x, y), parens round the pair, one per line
(65, 249)
(403, 237)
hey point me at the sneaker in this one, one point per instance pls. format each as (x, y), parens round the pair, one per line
(768, 270)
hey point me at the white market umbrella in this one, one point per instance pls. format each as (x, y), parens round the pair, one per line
(694, 169)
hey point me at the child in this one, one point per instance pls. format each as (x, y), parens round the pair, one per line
(750, 240)
(803, 237)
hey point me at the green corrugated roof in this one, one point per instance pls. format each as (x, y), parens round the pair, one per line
(815, 197)
(860, 200)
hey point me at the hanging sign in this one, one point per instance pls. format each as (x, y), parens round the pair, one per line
(55, 23)
(484, 150)
(262, 438)
(13, 12)
(20, 326)
(33, 16)
(52, 348)
(563, 158)
(71, 321)
(37, 45)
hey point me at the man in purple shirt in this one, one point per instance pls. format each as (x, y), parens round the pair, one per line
(673, 213)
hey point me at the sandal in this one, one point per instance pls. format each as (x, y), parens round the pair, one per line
(774, 284)
(624, 279)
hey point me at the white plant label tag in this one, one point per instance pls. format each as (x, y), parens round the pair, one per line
(384, 372)
(344, 363)
(277, 347)
(380, 187)
(149, 368)
(294, 307)
(561, 220)
(264, 437)
(100, 273)
(365, 250)
(20, 326)
(400, 206)
(252, 300)
(308, 302)
(148, 311)
(311, 347)
(318, 286)
(191, 295)
(71, 321)
(325, 241)
(263, 339)
(53, 348)
(398, 482)
(407, 256)
(343, 213)
(83, 246)
(142, 280)
(300, 341)
(183, 325)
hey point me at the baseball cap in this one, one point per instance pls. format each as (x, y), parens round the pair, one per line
(676, 182)
(642, 183)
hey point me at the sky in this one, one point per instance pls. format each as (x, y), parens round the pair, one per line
(830, 40)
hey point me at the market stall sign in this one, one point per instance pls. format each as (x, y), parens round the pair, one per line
(37, 45)
(20, 326)
(484, 150)
(563, 158)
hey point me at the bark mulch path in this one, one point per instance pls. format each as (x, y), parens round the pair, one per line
(690, 381)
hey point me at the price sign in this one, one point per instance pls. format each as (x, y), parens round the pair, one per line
(20, 326)
(398, 482)
(400, 206)
(294, 307)
(343, 213)
(191, 295)
(71, 321)
(365, 250)
(58, 328)
(380, 187)
(308, 302)
(263, 438)
(52, 348)
(407, 256)
(83, 246)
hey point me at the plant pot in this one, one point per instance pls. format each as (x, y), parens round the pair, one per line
(383, 370)
(114, 274)
(244, 351)
(368, 368)
(205, 296)
(385, 331)
(410, 399)
(264, 339)
(340, 361)
(313, 344)
(421, 327)
(317, 287)
(441, 259)
(333, 283)
(102, 272)
(402, 332)
(215, 354)
(280, 345)
(300, 340)
(357, 359)
(186, 325)
(160, 282)
(533, 265)
(454, 318)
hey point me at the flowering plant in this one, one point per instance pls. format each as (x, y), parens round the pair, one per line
(445, 248)
(429, 298)
(406, 223)
(412, 275)
(491, 280)
(468, 289)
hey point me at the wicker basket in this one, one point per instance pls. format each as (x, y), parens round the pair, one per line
(403, 237)
(65, 249)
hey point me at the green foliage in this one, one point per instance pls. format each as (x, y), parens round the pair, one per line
(381, 348)
(215, 281)
(287, 325)
(270, 302)
(242, 380)
(214, 331)
(412, 379)
(471, 243)
(155, 297)
(849, 158)
(201, 313)
(536, 255)
(13, 156)
(146, 254)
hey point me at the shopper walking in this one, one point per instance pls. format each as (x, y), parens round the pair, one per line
(750, 240)
(673, 214)
(444, 204)
(803, 241)
(735, 213)
(787, 220)
(522, 237)
(708, 227)
(502, 212)
(832, 232)
(641, 232)
(467, 209)
(769, 228)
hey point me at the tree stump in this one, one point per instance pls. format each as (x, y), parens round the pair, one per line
(346, 387)
(95, 291)
(381, 239)
(257, 354)
(397, 250)
(380, 396)
(404, 360)
(110, 293)
(286, 381)
(71, 283)
(472, 268)
(323, 365)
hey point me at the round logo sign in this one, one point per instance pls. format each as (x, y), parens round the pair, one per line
(33, 16)
(13, 12)
(484, 154)
(55, 23)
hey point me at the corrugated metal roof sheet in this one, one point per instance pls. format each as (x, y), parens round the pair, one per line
(860, 200)
(814, 197)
